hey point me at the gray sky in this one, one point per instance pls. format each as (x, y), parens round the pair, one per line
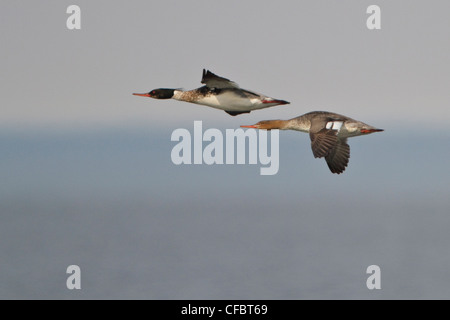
(319, 55)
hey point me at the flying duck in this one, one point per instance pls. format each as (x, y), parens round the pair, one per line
(328, 132)
(219, 93)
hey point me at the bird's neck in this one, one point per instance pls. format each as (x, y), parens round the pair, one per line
(178, 94)
(297, 124)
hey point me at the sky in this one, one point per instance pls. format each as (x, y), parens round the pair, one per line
(87, 176)
(319, 55)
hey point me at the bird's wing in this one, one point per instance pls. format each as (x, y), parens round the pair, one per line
(337, 158)
(213, 81)
(326, 121)
(322, 142)
(323, 133)
(235, 113)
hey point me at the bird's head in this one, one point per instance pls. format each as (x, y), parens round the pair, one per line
(158, 93)
(369, 129)
(267, 125)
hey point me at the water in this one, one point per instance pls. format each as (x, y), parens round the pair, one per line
(139, 227)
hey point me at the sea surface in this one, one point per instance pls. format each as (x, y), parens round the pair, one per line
(139, 227)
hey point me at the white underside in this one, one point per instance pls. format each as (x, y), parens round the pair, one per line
(232, 102)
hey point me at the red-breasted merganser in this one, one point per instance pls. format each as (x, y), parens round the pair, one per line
(219, 93)
(328, 132)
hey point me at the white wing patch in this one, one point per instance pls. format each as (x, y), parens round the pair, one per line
(334, 125)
